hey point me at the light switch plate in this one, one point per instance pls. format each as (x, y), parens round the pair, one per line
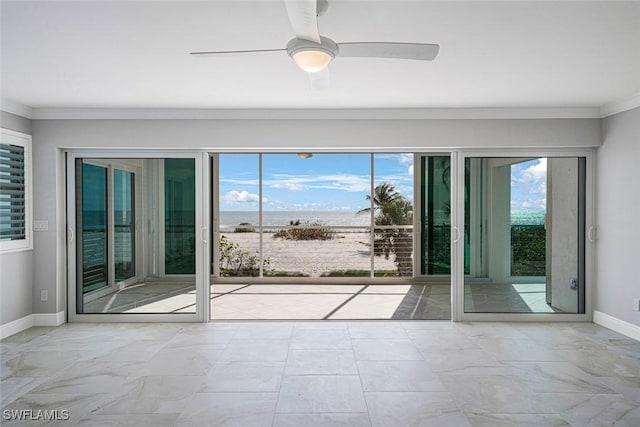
(41, 225)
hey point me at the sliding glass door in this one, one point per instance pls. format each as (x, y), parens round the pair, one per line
(132, 236)
(523, 230)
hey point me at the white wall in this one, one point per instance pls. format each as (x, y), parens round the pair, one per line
(16, 277)
(618, 213)
(50, 136)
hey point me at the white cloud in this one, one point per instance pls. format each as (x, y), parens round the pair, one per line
(344, 182)
(410, 170)
(406, 159)
(237, 197)
(291, 186)
(239, 181)
(540, 189)
(535, 172)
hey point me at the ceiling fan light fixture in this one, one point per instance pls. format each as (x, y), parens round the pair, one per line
(312, 60)
(310, 56)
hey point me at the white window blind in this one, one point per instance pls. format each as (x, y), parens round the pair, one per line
(15, 203)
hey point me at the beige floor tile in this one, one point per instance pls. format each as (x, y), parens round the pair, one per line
(369, 307)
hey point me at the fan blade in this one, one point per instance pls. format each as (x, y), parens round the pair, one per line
(224, 52)
(303, 15)
(419, 51)
(320, 80)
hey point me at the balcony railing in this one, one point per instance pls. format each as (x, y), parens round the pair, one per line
(316, 250)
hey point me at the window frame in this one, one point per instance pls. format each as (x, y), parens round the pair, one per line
(11, 137)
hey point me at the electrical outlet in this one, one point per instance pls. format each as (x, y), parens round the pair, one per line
(573, 283)
(44, 295)
(636, 304)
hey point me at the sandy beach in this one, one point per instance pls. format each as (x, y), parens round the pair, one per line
(347, 251)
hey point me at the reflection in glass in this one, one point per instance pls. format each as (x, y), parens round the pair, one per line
(118, 275)
(94, 228)
(124, 224)
(436, 215)
(180, 216)
(526, 228)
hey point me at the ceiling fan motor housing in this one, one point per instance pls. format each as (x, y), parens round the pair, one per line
(298, 45)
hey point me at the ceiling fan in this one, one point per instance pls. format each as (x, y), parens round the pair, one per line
(313, 52)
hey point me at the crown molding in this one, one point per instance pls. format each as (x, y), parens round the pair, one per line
(16, 108)
(308, 114)
(620, 106)
(603, 111)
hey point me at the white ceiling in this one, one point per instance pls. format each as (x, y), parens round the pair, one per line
(493, 54)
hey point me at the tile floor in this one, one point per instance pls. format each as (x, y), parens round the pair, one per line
(309, 301)
(324, 373)
(425, 301)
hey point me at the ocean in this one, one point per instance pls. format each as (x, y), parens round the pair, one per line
(528, 217)
(230, 219)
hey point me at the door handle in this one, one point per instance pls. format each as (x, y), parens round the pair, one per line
(590, 234)
(204, 235)
(71, 234)
(457, 235)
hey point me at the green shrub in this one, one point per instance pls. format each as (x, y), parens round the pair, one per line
(275, 273)
(528, 250)
(305, 230)
(236, 262)
(245, 227)
(347, 273)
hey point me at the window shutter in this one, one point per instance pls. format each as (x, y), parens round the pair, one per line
(12, 193)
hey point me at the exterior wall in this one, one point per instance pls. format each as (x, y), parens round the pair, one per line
(562, 238)
(618, 209)
(16, 268)
(52, 136)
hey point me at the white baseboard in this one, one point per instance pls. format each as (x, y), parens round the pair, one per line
(36, 319)
(16, 326)
(49, 319)
(615, 324)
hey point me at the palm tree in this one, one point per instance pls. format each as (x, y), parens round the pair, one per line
(392, 209)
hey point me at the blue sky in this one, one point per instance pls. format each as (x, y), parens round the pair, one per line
(529, 185)
(324, 182)
(340, 182)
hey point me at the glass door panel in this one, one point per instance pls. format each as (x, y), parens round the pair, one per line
(238, 216)
(314, 215)
(122, 269)
(436, 215)
(94, 227)
(124, 224)
(526, 227)
(180, 216)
